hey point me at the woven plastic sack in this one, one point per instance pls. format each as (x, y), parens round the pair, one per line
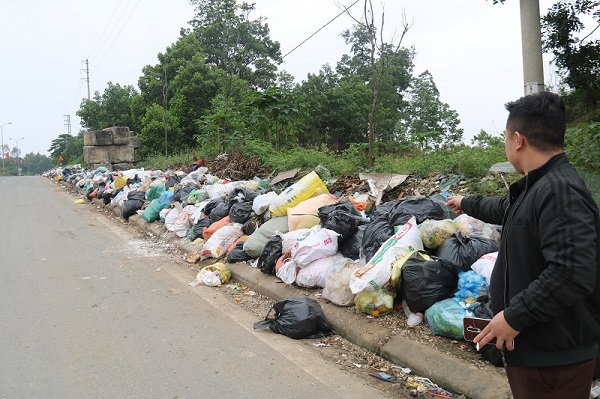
(218, 243)
(377, 272)
(315, 244)
(337, 286)
(484, 265)
(316, 273)
(307, 187)
(310, 206)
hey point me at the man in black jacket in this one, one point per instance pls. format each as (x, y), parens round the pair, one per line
(545, 286)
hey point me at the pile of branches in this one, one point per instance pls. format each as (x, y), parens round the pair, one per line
(237, 166)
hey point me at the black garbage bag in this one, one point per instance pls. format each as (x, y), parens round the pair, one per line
(181, 194)
(130, 207)
(376, 233)
(425, 282)
(297, 317)
(237, 254)
(172, 181)
(268, 257)
(241, 194)
(219, 212)
(199, 228)
(350, 247)
(240, 212)
(136, 195)
(343, 218)
(101, 188)
(251, 225)
(383, 210)
(422, 208)
(464, 251)
(211, 205)
(107, 197)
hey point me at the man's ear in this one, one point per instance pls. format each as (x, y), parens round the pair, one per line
(520, 140)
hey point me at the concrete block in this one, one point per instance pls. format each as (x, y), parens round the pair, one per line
(134, 140)
(121, 154)
(120, 135)
(97, 138)
(96, 154)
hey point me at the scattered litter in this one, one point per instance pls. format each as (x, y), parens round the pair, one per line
(158, 269)
(384, 377)
(357, 365)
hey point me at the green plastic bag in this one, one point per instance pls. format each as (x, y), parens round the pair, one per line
(155, 192)
(445, 318)
(152, 211)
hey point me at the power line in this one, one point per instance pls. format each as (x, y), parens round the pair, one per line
(117, 36)
(321, 28)
(105, 28)
(111, 31)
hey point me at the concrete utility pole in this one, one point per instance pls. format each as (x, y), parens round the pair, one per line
(87, 76)
(531, 39)
(68, 123)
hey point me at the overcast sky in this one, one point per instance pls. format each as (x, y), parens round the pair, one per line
(471, 47)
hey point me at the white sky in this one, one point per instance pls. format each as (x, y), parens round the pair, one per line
(472, 48)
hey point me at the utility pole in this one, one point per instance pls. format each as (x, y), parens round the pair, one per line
(531, 39)
(68, 123)
(87, 76)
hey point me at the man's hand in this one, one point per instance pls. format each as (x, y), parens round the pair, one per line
(454, 202)
(497, 328)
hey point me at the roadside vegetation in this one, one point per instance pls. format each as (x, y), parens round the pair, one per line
(219, 89)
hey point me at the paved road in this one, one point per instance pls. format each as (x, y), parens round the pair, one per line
(90, 310)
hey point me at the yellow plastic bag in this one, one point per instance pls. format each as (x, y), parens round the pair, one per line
(435, 232)
(79, 201)
(120, 182)
(309, 186)
(376, 302)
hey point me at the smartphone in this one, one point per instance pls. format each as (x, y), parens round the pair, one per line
(472, 326)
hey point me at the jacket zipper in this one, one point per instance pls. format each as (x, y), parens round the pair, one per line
(504, 243)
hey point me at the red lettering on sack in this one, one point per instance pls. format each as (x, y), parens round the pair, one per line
(405, 229)
(364, 270)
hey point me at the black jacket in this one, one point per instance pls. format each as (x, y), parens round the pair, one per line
(546, 277)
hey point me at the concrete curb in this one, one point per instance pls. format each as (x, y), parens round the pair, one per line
(446, 370)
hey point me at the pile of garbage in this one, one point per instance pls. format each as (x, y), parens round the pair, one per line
(344, 236)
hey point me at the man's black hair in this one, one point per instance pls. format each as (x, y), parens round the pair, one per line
(540, 118)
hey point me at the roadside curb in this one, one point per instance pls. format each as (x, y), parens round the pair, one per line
(446, 370)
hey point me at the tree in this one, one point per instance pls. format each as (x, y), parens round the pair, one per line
(69, 147)
(577, 59)
(276, 108)
(486, 140)
(35, 164)
(234, 42)
(333, 111)
(227, 124)
(379, 59)
(426, 120)
(160, 133)
(112, 108)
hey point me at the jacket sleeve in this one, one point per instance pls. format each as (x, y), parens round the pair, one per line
(568, 231)
(487, 209)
